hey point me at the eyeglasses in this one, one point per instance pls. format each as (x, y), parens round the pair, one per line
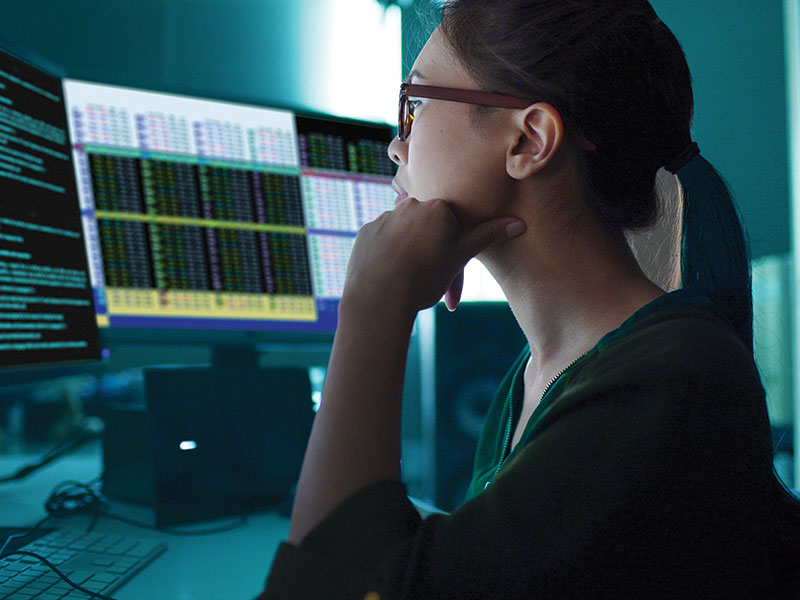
(413, 90)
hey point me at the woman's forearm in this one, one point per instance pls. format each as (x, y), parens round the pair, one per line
(355, 439)
(402, 262)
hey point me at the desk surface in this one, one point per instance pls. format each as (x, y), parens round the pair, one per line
(223, 566)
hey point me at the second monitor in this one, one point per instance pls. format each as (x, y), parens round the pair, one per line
(46, 312)
(209, 215)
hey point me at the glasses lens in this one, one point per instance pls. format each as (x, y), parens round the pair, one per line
(402, 119)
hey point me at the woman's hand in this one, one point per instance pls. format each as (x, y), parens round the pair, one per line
(409, 257)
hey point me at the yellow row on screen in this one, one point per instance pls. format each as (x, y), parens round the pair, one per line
(168, 220)
(213, 305)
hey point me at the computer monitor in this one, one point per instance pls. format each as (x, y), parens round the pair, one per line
(205, 218)
(47, 315)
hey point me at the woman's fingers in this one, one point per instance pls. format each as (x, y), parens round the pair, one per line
(488, 233)
(453, 294)
(415, 254)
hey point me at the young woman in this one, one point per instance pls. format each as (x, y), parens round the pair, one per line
(627, 453)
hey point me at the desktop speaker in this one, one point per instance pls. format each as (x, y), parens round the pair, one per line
(211, 442)
(475, 346)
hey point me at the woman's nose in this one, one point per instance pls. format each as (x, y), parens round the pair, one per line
(397, 151)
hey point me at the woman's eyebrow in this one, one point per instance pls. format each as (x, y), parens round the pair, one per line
(413, 74)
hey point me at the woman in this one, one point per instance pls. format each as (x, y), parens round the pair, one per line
(627, 452)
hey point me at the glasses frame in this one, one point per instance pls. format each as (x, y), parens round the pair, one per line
(405, 117)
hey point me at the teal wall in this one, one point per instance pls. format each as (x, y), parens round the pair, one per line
(735, 51)
(245, 50)
(736, 54)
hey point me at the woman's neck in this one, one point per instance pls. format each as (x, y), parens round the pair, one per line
(569, 286)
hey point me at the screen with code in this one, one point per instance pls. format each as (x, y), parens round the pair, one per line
(204, 214)
(46, 310)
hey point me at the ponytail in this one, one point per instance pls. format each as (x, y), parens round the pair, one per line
(714, 252)
(714, 259)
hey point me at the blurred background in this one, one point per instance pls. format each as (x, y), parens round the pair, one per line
(346, 58)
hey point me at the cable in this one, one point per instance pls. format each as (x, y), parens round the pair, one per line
(65, 501)
(24, 534)
(242, 520)
(78, 587)
(89, 431)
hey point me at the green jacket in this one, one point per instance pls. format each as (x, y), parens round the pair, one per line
(645, 472)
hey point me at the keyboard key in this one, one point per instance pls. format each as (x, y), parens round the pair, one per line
(61, 557)
(120, 549)
(25, 577)
(95, 586)
(143, 549)
(125, 562)
(37, 585)
(102, 562)
(118, 570)
(76, 595)
(78, 546)
(80, 576)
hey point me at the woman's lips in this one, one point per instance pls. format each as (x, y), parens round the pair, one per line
(401, 193)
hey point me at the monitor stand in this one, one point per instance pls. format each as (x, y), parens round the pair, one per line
(235, 356)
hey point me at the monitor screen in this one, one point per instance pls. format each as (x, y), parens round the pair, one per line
(46, 310)
(210, 215)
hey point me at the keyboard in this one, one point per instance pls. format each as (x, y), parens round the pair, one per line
(96, 561)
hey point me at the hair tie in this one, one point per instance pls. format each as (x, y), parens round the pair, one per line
(677, 163)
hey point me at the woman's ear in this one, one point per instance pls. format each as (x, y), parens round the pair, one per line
(537, 136)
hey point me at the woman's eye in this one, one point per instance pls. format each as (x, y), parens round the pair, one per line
(414, 103)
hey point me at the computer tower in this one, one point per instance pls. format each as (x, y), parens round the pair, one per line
(210, 442)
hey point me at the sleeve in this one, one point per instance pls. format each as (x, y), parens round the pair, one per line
(624, 494)
(338, 558)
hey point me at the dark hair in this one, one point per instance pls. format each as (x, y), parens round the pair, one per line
(619, 78)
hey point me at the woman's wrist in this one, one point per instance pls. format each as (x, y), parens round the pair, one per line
(379, 309)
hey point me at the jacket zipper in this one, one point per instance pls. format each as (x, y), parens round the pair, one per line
(509, 425)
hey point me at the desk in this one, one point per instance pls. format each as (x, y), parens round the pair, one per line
(222, 566)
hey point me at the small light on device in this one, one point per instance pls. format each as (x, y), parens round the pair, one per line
(188, 445)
